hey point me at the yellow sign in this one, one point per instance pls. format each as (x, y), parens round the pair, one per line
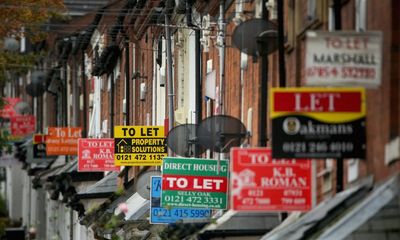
(139, 145)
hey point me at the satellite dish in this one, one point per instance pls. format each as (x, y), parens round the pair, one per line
(38, 77)
(143, 184)
(256, 37)
(183, 140)
(23, 108)
(37, 86)
(221, 132)
(35, 90)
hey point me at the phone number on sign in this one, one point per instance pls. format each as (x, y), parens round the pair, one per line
(316, 147)
(181, 213)
(128, 157)
(191, 200)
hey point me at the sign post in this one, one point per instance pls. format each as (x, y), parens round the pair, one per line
(194, 183)
(139, 145)
(261, 183)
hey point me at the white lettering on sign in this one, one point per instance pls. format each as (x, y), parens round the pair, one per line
(257, 158)
(200, 184)
(314, 102)
(284, 182)
(179, 182)
(69, 133)
(207, 184)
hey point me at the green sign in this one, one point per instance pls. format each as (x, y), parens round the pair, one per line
(194, 183)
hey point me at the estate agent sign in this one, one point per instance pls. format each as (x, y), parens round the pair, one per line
(96, 155)
(139, 145)
(344, 58)
(194, 183)
(318, 122)
(63, 140)
(261, 183)
(161, 215)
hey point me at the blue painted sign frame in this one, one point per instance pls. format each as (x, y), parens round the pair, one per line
(160, 215)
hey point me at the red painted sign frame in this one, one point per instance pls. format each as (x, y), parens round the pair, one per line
(96, 155)
(22, 125)
(261, 183)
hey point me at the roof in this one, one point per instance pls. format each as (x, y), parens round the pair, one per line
(380, 197)
(101, 189)
(326, 213)
(233, 223)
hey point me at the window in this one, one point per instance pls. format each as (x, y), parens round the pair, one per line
(301, 17)
(352, 170)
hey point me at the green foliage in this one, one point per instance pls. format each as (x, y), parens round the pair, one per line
(3, 207)
(15, 64)
(120, 191)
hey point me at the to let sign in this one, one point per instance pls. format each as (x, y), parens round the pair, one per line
(139, 145)
(96, 155)
(63, 140)
(161, 215)
(9, 109)
(194, 183)
(318, 122)
(261, 183)
(343, 58)
(22, 125)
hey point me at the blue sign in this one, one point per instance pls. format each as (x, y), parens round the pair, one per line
(161, 215)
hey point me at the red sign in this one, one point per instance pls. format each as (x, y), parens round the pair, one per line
(195, 183)
(261, 183)
(9, 109)
(96, 155)
(317, 101)
(22, 125)
(62, 141)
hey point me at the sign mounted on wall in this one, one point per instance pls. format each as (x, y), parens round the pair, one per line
(96, 155)
(161, 215)
(139, 145)
(194, 183)
(318, 122)
(343, 58)
(63, 140)
(260, 183)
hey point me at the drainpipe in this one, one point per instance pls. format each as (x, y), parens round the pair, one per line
(221, 38)
(337, 6)
(64, 98)
(127, 102)
(198, 85)
(281, 45)
(84, 90)
(127, 85)
(112, 104)
(261, 13)
(169, 73)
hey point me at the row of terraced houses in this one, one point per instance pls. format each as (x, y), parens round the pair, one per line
(166, 63)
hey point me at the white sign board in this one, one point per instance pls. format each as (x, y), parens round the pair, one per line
(343, 58)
